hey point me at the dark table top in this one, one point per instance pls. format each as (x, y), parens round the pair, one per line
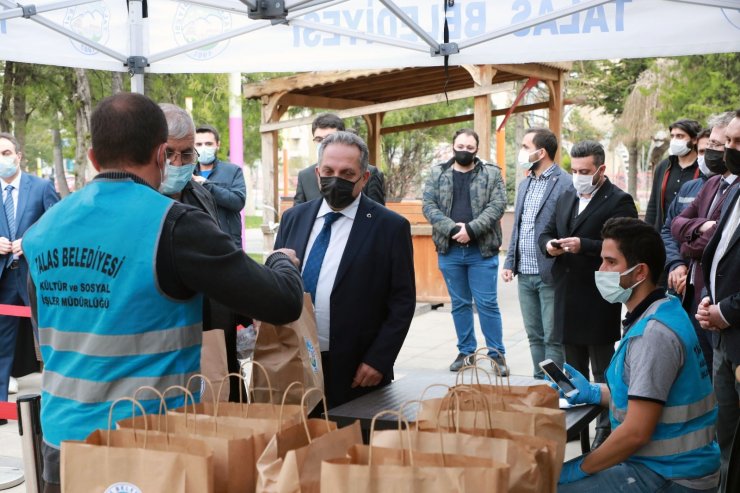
(410, 384)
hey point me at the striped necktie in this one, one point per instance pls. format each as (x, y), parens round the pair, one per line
(10, 210)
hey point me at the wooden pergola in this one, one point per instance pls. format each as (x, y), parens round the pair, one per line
(373, 93)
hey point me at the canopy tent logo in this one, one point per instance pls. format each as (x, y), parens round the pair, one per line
(91, 21)
(193, 23)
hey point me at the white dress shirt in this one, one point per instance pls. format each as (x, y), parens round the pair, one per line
(727, 233)
(16, 185)
(340, 230)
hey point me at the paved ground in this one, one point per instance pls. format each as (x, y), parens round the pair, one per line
(429, 344)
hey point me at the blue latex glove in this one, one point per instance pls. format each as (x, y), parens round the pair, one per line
(588, 393)
(572, 471)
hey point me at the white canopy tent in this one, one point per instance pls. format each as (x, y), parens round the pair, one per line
(168, 36)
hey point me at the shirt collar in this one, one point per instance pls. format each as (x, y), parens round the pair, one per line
(544, 176)
(120, 176)
(350, 211)
(730, 178)
(631, 317)
(16, 182)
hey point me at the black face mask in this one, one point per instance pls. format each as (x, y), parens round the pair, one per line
(338, 192)
(715, 161)
(732, 160)
(464, 158)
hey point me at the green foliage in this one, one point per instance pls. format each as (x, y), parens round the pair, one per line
(577, 128)
(605, 83)
(699, 86)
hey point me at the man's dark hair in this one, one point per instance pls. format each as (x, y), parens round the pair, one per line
(704, 134)
(544, 139)
(466, 131)
(205, 128)
(126, 128)
(11, 138)
(691, 127)
(327, 120)
(586, 148)
(638, 241)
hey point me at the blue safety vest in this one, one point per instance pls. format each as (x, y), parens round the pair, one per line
(105, 327)
(683, 444)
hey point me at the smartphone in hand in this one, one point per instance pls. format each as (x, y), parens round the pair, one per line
(556, 244)
(558, 376)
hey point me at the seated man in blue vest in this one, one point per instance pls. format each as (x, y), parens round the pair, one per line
(660, 398)
(119, 271)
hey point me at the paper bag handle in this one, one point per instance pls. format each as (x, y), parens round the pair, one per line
(185, 406)
(285, 396)
(304, 416)
(401, 418)
(161, 404)
(205, 380)
(503, 358)
(110, 418)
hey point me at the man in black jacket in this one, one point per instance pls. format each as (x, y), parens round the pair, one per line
(308, 187)
(587, 324)
(678, 168)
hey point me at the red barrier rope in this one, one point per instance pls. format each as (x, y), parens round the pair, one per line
(15, 311)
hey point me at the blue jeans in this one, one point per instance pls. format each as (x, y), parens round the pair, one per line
(537, 302)
(470, 276)
(629, 477)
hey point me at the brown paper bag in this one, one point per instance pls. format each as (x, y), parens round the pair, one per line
(233, 448)
(374, 469)
(529, 465)
(148, 461)
(213, 363)
(290, 353)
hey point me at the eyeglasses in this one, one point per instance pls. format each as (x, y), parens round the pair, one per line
(186, 157)
(715, 146)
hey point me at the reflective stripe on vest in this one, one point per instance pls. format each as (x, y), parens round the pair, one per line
(674, 414)
(671, 446)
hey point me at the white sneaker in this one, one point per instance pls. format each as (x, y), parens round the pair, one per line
(13, 386)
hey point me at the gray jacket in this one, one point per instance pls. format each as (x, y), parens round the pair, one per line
(559, 182)
(487, 199)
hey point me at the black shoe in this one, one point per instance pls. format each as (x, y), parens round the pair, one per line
(500, 367)
(601, 436)
(459, 362)
(3, 422)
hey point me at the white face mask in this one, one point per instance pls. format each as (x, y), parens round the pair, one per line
(8, 166)
(678, 147)
(523, 159)
(609, 287)
(206, 155)
(584, 184)
(703, 167)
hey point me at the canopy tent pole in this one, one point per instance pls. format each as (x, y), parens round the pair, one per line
(137, 62)
(723, 4)
(411, 24)
(29, 10)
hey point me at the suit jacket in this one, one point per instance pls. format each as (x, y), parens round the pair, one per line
(559, 182)
(726, 285)
(226, 184)
(374, 295)
(582, 316)
(308, 186)
(35, 196)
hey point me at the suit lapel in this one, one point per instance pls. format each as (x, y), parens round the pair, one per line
(736, 234)
(23, 193)
(305, 225)
(601, 197)
(360, 229)
(551, 182)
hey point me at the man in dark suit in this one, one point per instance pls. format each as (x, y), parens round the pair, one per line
(535, 205)
(25, 199)
(224, 180)
(587, 324)
(694, 226)
(720, 310)
(308, 189)
(357, 263)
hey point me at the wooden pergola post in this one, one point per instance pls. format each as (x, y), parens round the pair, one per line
(374, 123)
(271, 112)
(555, 107)
(482, 110)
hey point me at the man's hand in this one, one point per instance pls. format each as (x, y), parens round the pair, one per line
(704, 227)
(571, 244)
(366, 376)
(199, 179)
(462, 235)
(507, 275)
(553, 250)
(291, 255)
(572, 471)
(17, 248)
(676, 277)
(709, 316)
(5, 246)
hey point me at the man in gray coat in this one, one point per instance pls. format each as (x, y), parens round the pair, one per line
(535, 205)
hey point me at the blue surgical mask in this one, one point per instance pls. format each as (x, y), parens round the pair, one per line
(206, 155)
(176, 177)
(608, 285)
(8, 166)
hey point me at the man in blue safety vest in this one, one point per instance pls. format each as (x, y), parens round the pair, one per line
(660, 398)
(118, 272)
